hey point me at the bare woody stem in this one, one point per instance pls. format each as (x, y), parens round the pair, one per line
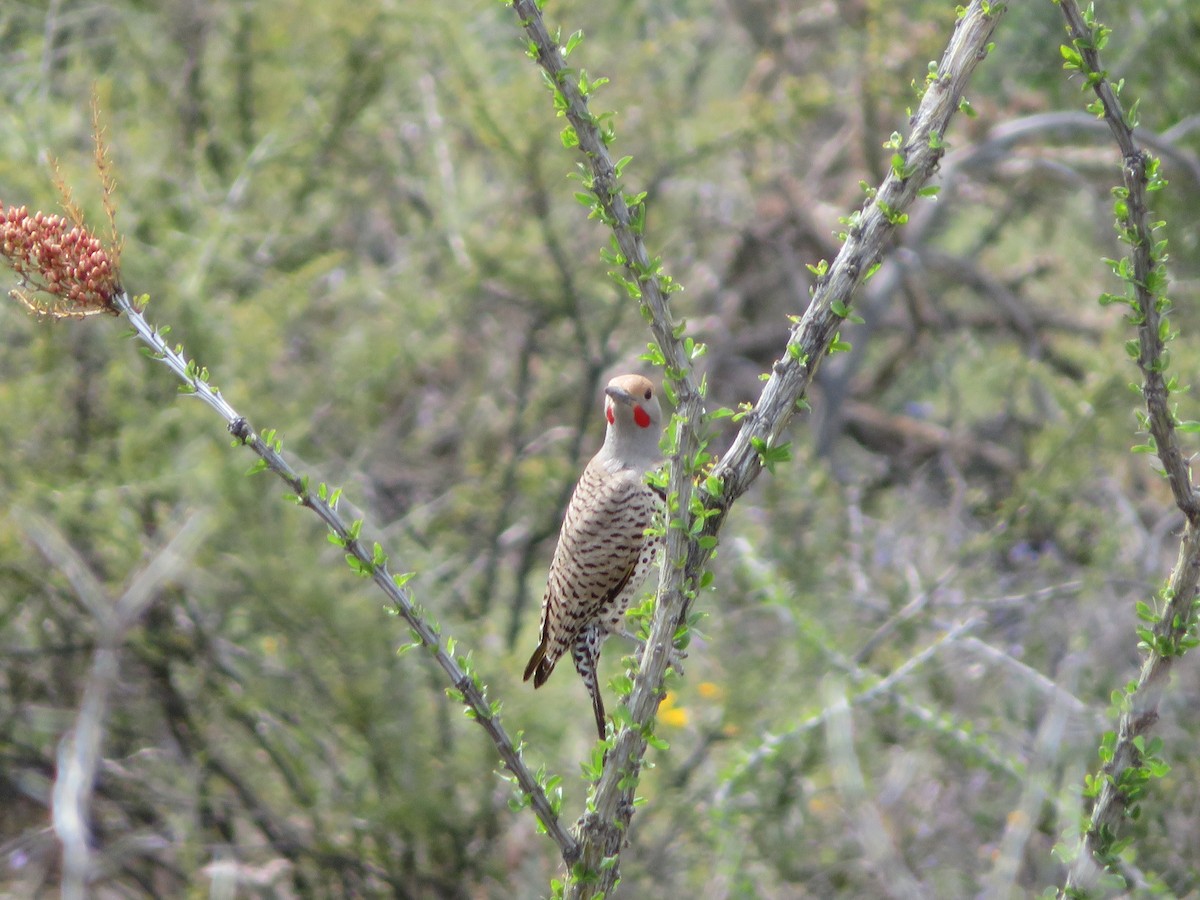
(686, 553)
(79, 752)
(472, 691)
(1123, 776)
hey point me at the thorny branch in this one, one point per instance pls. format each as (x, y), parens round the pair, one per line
(687, 553)
(369, 562)
(1122, 777)
(602, 829)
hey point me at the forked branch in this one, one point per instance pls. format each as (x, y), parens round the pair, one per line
(696, 520)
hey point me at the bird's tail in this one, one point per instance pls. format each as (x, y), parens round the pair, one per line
(586, 654)
(539, 666)
(597, 708)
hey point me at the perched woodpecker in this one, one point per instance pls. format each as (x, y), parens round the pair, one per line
(603, 554)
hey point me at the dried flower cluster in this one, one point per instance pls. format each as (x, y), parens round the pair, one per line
(68, 263)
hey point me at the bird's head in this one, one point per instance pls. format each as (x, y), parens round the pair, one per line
(634, 421)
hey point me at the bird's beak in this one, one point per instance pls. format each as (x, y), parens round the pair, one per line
(620, 394)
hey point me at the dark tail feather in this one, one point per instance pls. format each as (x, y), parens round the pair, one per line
(598, 708)
(539, 667)
(586, 654)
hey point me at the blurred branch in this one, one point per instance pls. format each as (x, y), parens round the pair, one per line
(79, 750)
(449, 178)
(879, 851)
(1130, 759)
(1000, 140)
(370, 563)
(879, 690)
(1020, 823)
(909, 437)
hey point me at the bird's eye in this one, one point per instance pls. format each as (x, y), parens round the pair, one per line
(647, 393)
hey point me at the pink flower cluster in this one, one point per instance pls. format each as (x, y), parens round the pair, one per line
(70, 264)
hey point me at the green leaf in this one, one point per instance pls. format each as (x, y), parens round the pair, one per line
(837, 345)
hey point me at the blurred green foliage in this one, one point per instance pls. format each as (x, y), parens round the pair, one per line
(359, 217)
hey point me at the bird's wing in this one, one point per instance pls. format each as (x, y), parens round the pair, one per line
(602, 536)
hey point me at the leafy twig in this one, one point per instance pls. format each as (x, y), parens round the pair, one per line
(1130, 759)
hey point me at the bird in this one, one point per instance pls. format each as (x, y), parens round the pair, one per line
(604, 553)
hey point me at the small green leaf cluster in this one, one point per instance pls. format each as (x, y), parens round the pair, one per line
(987, 8)
(272, 442)
(639, 617)
(841, 309)
(894, 216)
(700, 516)
(640, 273)
(769, 454)
(697, 466)
(900, 167)
(1143, 274)
(1132, 785)
(197, 377)
(1107, 882)
(330, 497)
(299, 496)
(1093, 42)
(1076, 59)
(796, 351)
(1167, 637)
(932, 76)
(693, 350)
(470, 678)
(551, 786)
(837, 345)
(744, 409)
(853, 223)
(584, 85)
